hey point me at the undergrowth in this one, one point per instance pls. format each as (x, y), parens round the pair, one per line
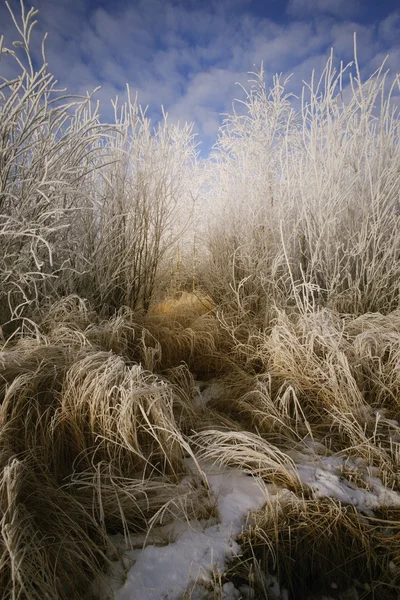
(117, 315)
(96, 427)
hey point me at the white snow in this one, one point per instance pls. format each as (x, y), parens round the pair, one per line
(207, 392)
(188, 554)
(166, 572)
(182, 559)
(183, 556)
(326, 476)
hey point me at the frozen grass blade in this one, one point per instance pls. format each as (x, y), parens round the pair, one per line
(248, 452)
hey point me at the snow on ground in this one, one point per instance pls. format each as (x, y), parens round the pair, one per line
(198, 550)
(331, 476)
(167, 572)
(183, 557)
(207, 392)
(188, 554)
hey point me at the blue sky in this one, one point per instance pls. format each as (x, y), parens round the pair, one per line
(188, 55)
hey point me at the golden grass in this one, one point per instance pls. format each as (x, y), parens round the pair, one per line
(117, 410)
(88, 439)
(311, 544)
(98, 416)
(318, 381)
(248, 452)
(50, 546)
(251, 404)
(124, 504)
(185, 305)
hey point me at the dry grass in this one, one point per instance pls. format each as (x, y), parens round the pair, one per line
(164, 341)
(326, 379)
(248, 452)
(250, 403)
(50, 545)
(322, 379)
(125, 505)
(100, 414)
(377, 348)
(185, 306)
(91, 443)
(99, 408)
(199, 343)
(311, 544)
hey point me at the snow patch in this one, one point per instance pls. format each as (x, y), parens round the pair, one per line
(167, 572)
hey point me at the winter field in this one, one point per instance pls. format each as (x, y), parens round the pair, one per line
(200, 358)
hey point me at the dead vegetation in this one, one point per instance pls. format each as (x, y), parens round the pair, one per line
(106, 356)
(316, 546)
(87, 436)
(96, 426)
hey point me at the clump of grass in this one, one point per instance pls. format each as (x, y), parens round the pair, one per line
(185, 410)
(315, 383)
(185, 307)
(377, 348)
(95, 429)
(31, 375)
(71, 312)
(279, 418)
(50, 545)
(125, 505)
(119, 412)
(311, 546)
(164, 341)
(248, 452)
(199, 343)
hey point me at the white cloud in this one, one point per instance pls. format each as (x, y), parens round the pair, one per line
(338, 8)
(389, 28)
(343, 41)
(188, 55)
(207, 96)
(286, 46)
